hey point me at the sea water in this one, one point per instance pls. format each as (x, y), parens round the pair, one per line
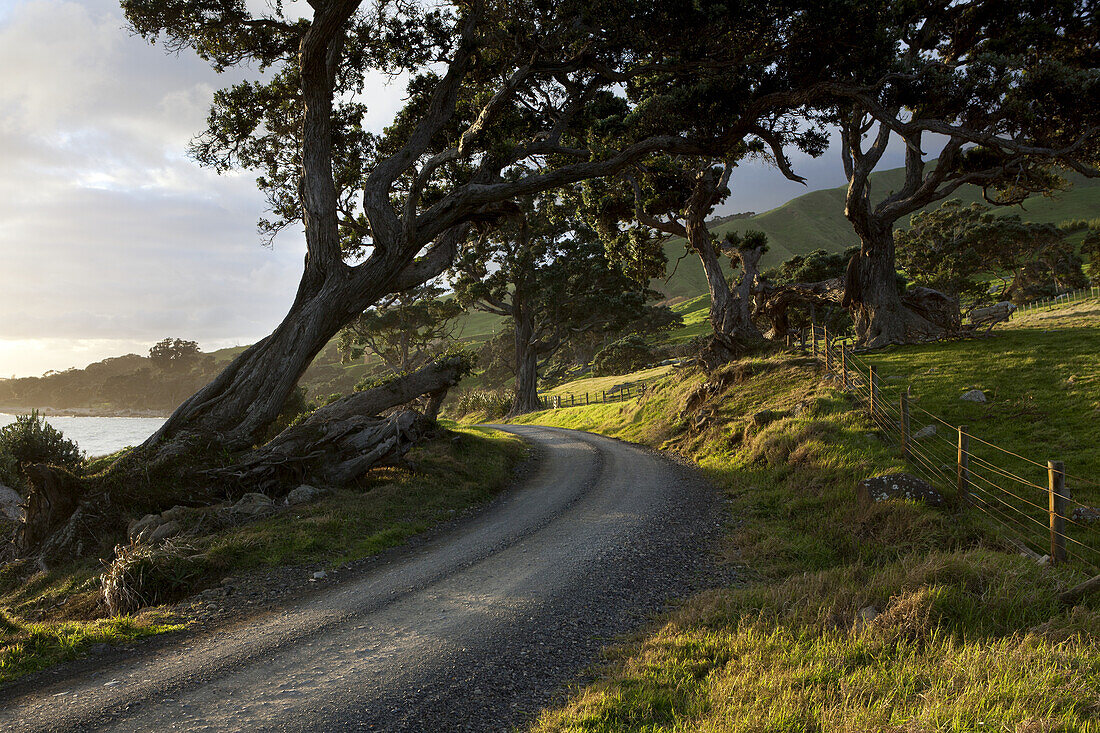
(98, 436)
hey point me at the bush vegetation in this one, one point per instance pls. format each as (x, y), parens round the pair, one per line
(628, 354)
(30, 439)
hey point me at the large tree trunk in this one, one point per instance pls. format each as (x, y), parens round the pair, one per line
(871, 293)
(527, 395)
(249, 393)
(730, 311)
(340, 441)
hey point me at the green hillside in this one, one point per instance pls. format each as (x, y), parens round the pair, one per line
(816, 221)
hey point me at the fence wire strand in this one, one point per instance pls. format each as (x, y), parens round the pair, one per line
(985, 492)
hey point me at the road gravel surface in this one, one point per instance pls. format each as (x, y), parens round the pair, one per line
(476, 630)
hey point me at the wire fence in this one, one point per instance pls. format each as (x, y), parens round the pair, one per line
(1073, 296)
(1032, 502)
(620, 393)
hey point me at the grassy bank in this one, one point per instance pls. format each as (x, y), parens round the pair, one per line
(965, 634)
(48, 617)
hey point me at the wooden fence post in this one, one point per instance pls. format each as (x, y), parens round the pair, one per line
(963, 493)
(814, 331)
(844, 366)
(872, 389)
(828, 352)
(1056, 481)
(586, 399)
(905, 425)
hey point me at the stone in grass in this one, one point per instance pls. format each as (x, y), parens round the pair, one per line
(254, 505)
(163, 532)
(867, 614)
(926, 432)
(764, 417)
(1086, 514)
(320, 575)
(973, 395)
(303, 495)
(144, 526)
(897, 486)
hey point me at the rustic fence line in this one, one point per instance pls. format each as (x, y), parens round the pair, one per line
(595, 397)
(1072, 296)
(1034, 513)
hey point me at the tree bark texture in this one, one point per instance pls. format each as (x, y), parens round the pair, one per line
(879, 315)
(527, 359)
(730, 310)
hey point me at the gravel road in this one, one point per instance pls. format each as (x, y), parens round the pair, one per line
(476, 630)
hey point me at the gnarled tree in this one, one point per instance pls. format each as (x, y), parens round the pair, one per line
(996, 87)
(494, 85)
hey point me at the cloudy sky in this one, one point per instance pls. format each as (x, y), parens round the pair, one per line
(110, 237)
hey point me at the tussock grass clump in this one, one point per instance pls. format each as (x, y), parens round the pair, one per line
(149, 575)
(485, 404)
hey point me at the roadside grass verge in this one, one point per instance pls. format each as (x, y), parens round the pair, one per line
(56, 615)
(965, 634)
(27, 647)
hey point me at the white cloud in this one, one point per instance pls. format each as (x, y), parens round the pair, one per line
(111, 236)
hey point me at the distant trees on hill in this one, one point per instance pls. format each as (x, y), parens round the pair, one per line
(174, 369)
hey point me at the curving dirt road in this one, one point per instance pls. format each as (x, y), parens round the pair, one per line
(476, 630)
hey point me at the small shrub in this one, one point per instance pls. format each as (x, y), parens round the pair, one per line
(624, 356)
(30, 439)
(144, 575)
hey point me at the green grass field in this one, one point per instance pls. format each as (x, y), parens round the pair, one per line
(967, 634)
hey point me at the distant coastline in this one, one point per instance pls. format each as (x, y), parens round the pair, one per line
(84, 412)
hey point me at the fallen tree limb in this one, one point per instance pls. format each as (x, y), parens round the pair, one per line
(68, 516)
(339, 442)
(1074, 594)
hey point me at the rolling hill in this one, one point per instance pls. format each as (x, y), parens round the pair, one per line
(816, 220)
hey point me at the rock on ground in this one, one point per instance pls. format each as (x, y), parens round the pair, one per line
(303, 495)
(11, 503)
(926, 432)
(973, 395)
(897, 486)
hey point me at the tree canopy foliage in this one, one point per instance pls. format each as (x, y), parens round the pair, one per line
(960, 250)
(404, 331)
(546, 270)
